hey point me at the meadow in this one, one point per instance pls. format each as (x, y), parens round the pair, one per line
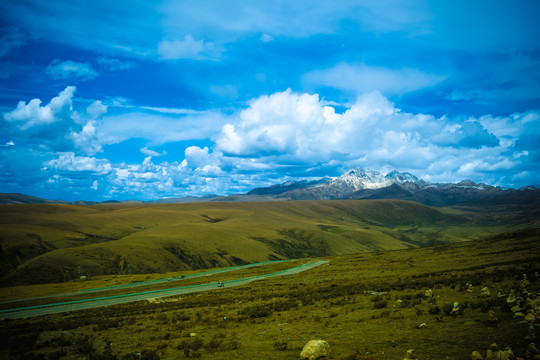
(42, 243)
(374, 305)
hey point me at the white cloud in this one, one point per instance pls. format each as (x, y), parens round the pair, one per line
(33, 114)
(70, 70)
(149, 152)
(361, 78)
(291, 128)
(70, 162)
(188, 48)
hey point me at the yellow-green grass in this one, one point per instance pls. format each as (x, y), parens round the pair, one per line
(274, 318)
(48, 243)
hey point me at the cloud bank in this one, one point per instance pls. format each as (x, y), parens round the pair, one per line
(279, 137)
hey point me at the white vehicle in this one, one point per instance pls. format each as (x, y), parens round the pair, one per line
(220, 284)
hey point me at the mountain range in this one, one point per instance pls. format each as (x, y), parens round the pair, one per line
(360, 183)
(357, 183)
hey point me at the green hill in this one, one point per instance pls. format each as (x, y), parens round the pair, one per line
(51, 242)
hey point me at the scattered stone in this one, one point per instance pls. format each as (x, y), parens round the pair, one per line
(154, 300)
(500, 293)
(491, 319)
(375, 293)
(428, 293)
(315, 349)
(530, 318)
(456, 309)
(192, 334)
(469, 288)
(422, 326)
(494, 353)
(519, 315)
(515, 309)
(411, 355)
(485, 292)
(476, 356)
(511, 297)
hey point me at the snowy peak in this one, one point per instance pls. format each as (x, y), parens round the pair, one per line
(360, 179)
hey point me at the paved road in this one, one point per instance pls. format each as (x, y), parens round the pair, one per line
(142, 283)
(121, 299)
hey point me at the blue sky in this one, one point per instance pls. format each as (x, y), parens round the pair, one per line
(149, 99)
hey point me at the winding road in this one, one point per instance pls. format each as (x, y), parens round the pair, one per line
(39, 310)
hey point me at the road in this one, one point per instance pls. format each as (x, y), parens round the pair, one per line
(142, 283)
(121, 299)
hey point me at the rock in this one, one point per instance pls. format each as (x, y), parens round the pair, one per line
(476, 356)
(315, 349)
(422, 326)
(455, 310)
(515, 309)
(485, 292)
(411, 355)
(192, 334)
(494, 353)
(511, 297)
(491, 319)
(428, 293)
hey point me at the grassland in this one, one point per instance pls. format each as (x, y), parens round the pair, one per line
(274, 318)
(43, 243)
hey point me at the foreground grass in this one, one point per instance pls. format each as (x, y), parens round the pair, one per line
(274, 318)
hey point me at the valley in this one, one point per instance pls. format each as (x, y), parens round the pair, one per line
(57, 242)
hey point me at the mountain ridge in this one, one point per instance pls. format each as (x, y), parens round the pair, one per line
(356, 183)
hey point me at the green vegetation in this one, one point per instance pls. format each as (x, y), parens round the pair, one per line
(367, 306)
(43, 243)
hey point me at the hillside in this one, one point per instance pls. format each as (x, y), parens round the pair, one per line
(57, 242)
(373, 305)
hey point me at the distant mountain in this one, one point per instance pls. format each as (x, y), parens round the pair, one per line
(357, 183)
(360, 183)
(15, 198)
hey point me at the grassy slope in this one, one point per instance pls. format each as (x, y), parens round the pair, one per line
(44, 243)
(274, 318)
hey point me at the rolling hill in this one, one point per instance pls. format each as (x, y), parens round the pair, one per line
(57, 242)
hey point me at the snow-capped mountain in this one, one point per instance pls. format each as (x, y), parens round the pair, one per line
(360, 183)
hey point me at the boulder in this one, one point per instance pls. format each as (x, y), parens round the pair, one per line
(494, 353)
(411, 355)
(476, 356)
(315, 349)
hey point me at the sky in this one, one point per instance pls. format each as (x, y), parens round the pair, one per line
(104, 100)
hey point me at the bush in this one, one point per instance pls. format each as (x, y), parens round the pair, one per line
(434, 310)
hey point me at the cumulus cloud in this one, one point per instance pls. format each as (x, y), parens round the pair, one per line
(291, 128)
(361, 78)
(56, 125)
(30, 115)
(70, 70)
(70, 162)
(187, 48)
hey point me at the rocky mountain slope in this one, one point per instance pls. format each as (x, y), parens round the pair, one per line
(369, 184)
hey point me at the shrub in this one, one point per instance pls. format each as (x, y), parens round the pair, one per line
(434, 310)
(379, 304)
